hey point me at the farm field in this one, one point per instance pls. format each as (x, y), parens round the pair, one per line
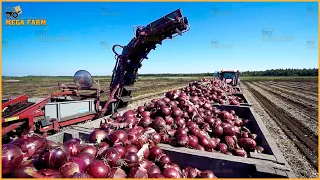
(289, 109)
(43, 86)
(287, 105)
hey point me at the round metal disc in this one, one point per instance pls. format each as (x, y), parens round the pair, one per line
(83, 79)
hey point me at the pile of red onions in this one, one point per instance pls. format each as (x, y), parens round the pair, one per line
(126, 145)
(213, 91)
(127, 153)
(186, 118)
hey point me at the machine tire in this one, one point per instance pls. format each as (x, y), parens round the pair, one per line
(8, 15)
(15, 15)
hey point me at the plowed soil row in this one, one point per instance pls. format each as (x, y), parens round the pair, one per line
(310, 101)
(309, 86)
(310, 91)
(296, 131)
(295, 108)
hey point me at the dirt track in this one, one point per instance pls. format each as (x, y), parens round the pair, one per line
(295, 139)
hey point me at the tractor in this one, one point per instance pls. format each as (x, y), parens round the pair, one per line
(13, 11)
(230, 77)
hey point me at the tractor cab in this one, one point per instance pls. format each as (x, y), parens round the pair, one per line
(231, 77)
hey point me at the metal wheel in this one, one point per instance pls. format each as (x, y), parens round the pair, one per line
(15, 15)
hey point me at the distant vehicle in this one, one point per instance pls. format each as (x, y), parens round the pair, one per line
(13, 11)
(215, 74)
(230, 76)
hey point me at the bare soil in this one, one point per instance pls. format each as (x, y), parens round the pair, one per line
(280, 125)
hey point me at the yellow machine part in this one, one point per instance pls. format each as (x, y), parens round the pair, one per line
(17, 9)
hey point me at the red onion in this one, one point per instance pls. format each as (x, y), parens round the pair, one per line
(217, 131)
(139, 129)
(183, 140)
(145, 121)
(205, 142)
(129, 114)
(80, 162)
(244, 134)
(159, 123)
(201, 148)
(145, 114)
(169, 120)
(89, 149)
(193, 141)
(131, 148)
(138, 172)
(153, 169)
(80, 175)
(247, 143)
(144, 163)
(189, 172)
(157, 175)
(240, 152)
(29, 144)
(68, 169)
(26, 172)
(171, 173)
(116, 173)
(54, 157)
(165, 111)
(195, 131)
(103, 146)
(210, 120)
(112, 156)
(98, 169)
(131, 159)
(156, 138)
(86, 157)
(49, 173)
(180, 122)
(118, 136)
(230, 142)
(122, 150)
(140, 109)
(222, 147)
(229, 130)
(155, 152)
(97, 136)
(164, 159)
(181, 131)
(12, 157)
(73, 146)
(164, 137)
(207, 174)
(176, 112)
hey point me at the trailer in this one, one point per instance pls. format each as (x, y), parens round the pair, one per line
(271, 164)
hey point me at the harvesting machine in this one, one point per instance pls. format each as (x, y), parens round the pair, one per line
(71, 105)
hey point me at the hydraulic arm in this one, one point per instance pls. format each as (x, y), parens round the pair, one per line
(129, 61)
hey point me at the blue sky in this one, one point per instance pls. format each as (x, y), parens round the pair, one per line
(222, 36)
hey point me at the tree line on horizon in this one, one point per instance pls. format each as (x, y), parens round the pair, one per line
(283, 72)
(271, 72)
